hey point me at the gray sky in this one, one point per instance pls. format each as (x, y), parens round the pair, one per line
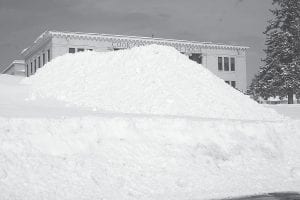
(228, 21)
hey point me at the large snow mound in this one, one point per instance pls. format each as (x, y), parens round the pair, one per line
(145, 158)
(150, 79)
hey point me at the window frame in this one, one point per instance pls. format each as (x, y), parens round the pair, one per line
(44, 58)
(232, 64)
(233, 84)
(197, 57)
(39, 62)
(226, 64)
(72, 48)
(34, 65)
(27, 70)
(220, 64)
(48, 55)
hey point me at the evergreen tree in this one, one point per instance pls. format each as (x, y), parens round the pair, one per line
(280, 74)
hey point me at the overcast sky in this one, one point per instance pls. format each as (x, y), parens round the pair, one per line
(238, 22)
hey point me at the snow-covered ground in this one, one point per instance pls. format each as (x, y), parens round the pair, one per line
(52, 149)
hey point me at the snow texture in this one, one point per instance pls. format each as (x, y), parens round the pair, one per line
(145, 158)
(159, 137)
(151, 79)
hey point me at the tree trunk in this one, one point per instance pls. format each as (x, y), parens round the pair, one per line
(290, 96)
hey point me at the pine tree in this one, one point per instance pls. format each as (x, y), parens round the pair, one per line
(280, 74)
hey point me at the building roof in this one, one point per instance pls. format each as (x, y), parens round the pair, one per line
(109, 37)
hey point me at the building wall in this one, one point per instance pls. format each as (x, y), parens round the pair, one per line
(60, 46)
(239, 75)
(34, 55)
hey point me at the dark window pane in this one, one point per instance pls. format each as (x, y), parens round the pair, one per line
(226, 64)
(220, 63)
(34, 65)
(71, 50)
(49, 56)
(232, 64)
(80, 49)
(44, 59)
(39, 65)
(197, 57)
(27, 70)
(91, 49)
(228, 82)
(31, 68)
(233, 84)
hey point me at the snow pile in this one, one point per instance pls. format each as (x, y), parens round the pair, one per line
(151, 79)
(50, 152)
(145, 158)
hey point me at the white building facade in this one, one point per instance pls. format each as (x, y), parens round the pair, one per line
(226, 61)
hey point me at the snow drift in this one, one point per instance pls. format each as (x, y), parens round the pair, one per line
(145, 158)
(150, 79)
(51, 151)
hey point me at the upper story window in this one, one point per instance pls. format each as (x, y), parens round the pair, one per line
(197, 57)
(71, 50)
(232, 64)
(220, 63)
(80, 49)
(49, 55)
(229, 63)
(226, 64)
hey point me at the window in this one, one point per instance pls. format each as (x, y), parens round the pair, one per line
(228, 82)
(232, 64)
(197, 57)
(226, 64)
(44, 59)
(80, 49)
(220, 63)
(39, 62)
(233, 84)
(31, 68)
(27, 70)
(34, 65)
(49, 56)
(91, 49)
(71, 50)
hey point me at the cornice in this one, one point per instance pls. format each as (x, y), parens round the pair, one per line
(125, 39)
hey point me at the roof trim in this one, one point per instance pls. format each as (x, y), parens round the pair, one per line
(44, 36)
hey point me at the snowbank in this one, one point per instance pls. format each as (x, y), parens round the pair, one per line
(145, 158)
(50, 151)
(151, 79)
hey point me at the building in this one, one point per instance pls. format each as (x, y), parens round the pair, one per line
(226, 61)
(17, 68)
